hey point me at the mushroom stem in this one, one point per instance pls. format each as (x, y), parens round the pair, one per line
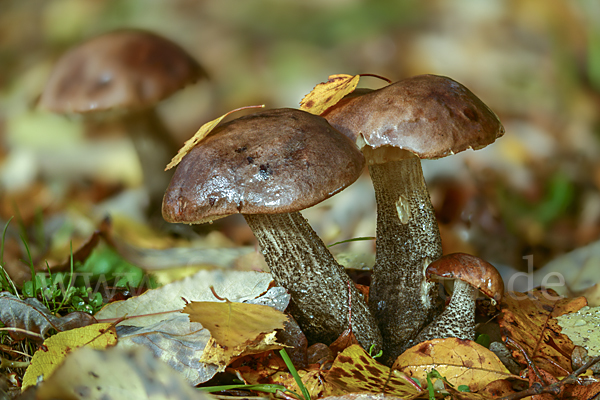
(408, 239)
(318, 285)
(155, 147)
(457, 320)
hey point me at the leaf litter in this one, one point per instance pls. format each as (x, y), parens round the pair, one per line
(154, 319)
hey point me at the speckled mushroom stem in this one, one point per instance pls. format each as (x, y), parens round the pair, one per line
(408, 239)
(457, 320)
(155, 147)
(318, 285)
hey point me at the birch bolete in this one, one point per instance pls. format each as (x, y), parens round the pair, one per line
(268, 166)
(126, 73)
(471, 276)
(423, 117)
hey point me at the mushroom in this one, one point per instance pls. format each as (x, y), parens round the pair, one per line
(129, 72)
(425, 116)
(471, 275)
(268, 166)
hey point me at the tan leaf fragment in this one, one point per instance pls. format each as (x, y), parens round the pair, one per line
(530, 320)
(220, 356)
(199, 135)
(327, 94)
(355, 371)
(234, 324)
(461, 362)
(56, 348)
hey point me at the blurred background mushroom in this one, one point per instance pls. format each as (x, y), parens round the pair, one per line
(536, 64)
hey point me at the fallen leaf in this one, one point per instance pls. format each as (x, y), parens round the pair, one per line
(266, 368)
(234, 324)
(590, 391)
(327, 94)
(355, 371)
(220, 356)
(461, 362)
(583, 328)
(199, 135)
(529, 320)
(177, 341)
(116, 374)
(31, 315)
(56, 348)
(160, 304)
(159, 325)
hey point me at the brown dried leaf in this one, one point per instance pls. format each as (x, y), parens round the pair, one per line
(266, 368)
(327, 94)
(529, 319)
(31, 315)
(199, 135)
(355, 371)
(461, 362)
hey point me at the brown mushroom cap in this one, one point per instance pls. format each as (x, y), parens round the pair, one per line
(470, 269)
(130, 69)
(428, 115)
(274, 161)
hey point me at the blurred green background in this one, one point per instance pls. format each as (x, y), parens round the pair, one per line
(536, 63)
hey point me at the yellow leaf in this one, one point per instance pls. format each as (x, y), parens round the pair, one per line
(234, 324)
(327, 94)
(355, 371)
(461, 362)
(199, 135)
(56, 348)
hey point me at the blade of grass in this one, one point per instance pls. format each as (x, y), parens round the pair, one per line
(64, 297)
(358, 239)
(290, 365)
(31, 267)
(267, 388)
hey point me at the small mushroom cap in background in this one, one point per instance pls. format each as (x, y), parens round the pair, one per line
(273, 161)
(428, 115)
(473, 270)
(129, 69)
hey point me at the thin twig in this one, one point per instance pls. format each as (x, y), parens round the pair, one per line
(527, 359)
(554, 388)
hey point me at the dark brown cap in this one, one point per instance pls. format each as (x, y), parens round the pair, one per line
(473, 270)
(129, 69)
(428, 115)
(273, 161)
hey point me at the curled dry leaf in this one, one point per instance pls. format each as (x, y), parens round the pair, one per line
(56, 348)
(355, 371)
(201, 134)
(461, 362)
(327, 94)
(530, 320)
(31, 315)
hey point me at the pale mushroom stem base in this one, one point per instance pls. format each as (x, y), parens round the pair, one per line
(408, 239)
(318, 285)
(155, 148)
(457, 320)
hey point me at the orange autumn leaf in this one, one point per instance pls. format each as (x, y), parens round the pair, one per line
(199, 135)
(530, 320)
(327, 94)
